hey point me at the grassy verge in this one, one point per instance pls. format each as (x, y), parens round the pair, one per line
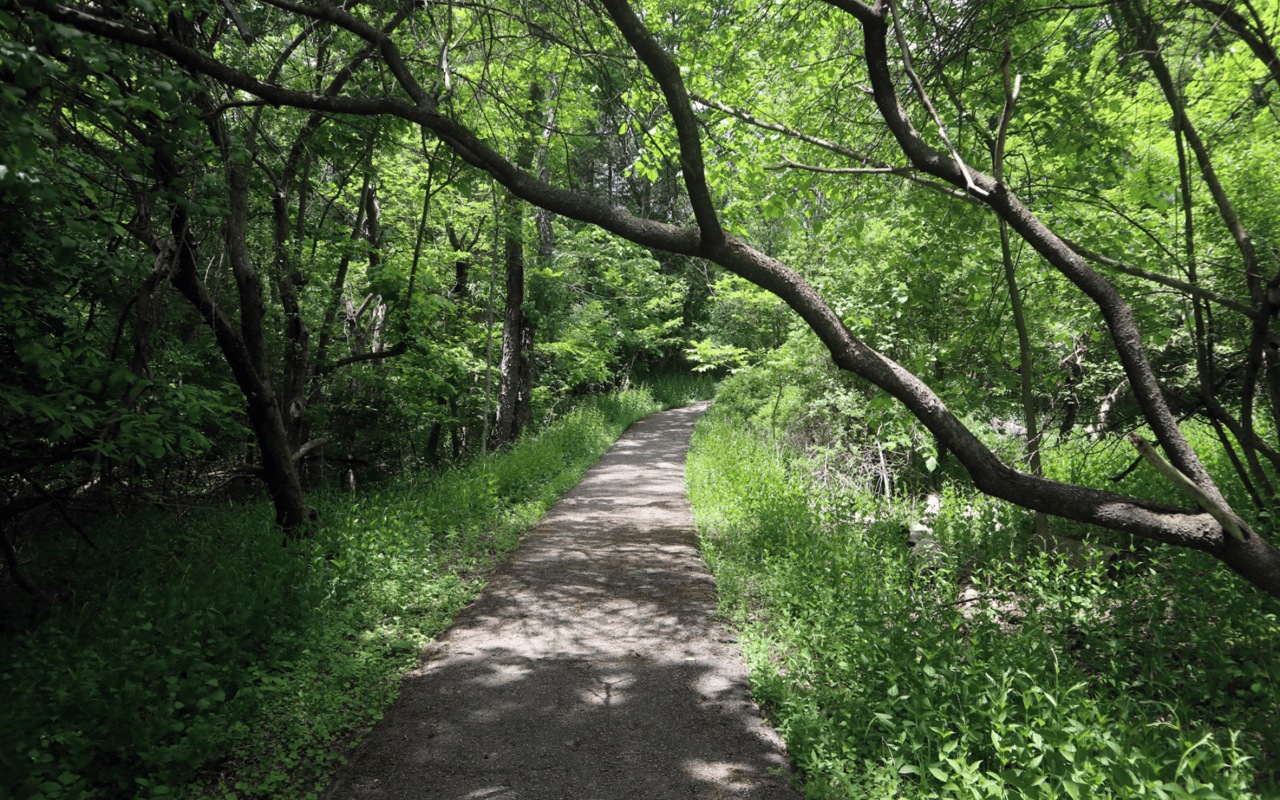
(998, 672)
(201, 658)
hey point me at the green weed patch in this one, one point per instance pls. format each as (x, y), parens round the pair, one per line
(998, 671)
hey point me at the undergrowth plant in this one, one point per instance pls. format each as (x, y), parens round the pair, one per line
(199, 656)
(994, 669)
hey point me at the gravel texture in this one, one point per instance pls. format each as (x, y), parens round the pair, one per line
(591, 666)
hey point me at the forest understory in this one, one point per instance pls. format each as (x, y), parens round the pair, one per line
(927, 641)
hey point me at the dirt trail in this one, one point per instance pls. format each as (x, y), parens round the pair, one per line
(590, 668)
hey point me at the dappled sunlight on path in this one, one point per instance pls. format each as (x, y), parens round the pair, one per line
(590, 667)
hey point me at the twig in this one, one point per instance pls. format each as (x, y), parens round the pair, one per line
(968, 600)
(789, 164)
(773, 126)
(234, 104)
(905, 172)
(1129, 469)
(1164, 280)
(872, 166)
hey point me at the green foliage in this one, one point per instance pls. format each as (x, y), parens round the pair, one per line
(602, 305)
(676, 390)
(1001, 671)
(198, 657)
(745, 322)
(1106, 463)
(95, 370)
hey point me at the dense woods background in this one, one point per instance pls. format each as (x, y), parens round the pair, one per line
(275, 248)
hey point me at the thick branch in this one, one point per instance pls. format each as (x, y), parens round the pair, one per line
(667, 73)
(1257, 40)
(386, 48)
(195, 60)
(1008, 206)
(1153, 457)
(308, 447)
(1143, 28)
(905, 51)
(398, 350)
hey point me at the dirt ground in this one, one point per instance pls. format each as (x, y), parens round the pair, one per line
(591, 667)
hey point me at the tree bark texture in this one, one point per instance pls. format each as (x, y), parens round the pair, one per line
(516, 379)
(245, 351)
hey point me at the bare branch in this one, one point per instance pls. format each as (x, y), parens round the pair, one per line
(308, 447)
(905, 50)
(57, 504)
(198, 61)
(783, 129)
(217, 110)
(375, 355)
(1256, 39)
(1192, 289)
(905, 172)
(872, 167)
(387, 48)
(1153, 457)
(1011, 90)
(789, 164)
(15, 569)
(237, 20)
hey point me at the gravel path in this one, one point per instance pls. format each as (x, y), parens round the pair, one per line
(590, 667)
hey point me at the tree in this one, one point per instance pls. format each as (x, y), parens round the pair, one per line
(936, 160)
(517, 331)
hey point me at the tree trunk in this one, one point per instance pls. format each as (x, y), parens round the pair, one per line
(517, 335)
(1026, 374)
(245, 350)
(297, 354)
(340, 281)
(512, 392)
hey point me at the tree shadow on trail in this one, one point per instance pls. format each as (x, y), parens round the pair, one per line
(503, 725)
(582, 672)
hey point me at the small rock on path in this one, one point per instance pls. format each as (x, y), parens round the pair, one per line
(590, 667)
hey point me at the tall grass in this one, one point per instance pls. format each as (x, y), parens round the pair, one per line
(999, 672)
(199, 657)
